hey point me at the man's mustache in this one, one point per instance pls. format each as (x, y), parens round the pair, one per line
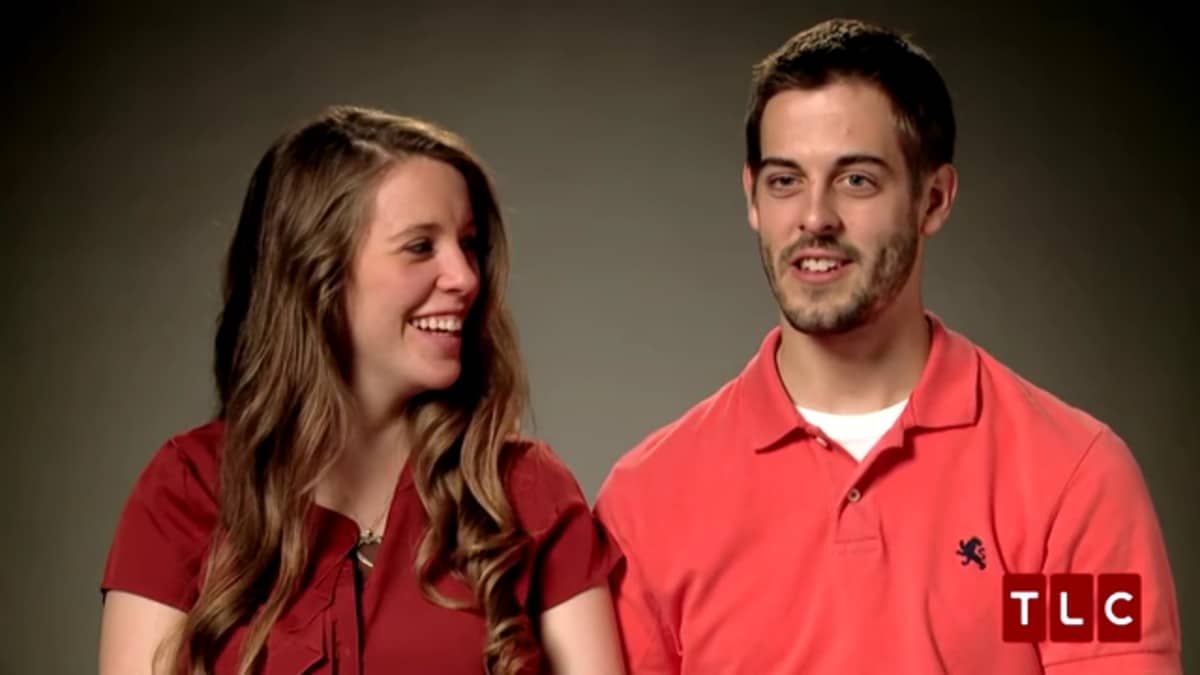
(826, 243)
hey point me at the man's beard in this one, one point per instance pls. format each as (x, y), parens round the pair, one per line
(814, 313)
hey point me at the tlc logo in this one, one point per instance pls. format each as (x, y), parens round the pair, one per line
(1113, 612)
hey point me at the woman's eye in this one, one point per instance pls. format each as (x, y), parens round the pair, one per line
(420, 247)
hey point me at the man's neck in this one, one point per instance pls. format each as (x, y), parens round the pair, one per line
(867, 369)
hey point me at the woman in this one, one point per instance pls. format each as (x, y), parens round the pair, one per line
(362, 500)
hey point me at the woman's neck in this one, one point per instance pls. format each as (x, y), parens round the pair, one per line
(362, 481)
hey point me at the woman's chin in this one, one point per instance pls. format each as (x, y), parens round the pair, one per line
(441, 376)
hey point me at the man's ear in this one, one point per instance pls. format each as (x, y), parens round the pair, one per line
(748, 189)
(937, 198)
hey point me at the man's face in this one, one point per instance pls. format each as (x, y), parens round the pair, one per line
(834, 206)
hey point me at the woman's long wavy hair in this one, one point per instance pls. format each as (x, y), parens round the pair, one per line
(282, 353)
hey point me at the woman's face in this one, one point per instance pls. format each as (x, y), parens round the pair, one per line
(413, 279)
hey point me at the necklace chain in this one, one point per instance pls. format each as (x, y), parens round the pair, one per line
(369, 537)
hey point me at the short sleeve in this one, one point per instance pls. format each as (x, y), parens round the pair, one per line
(1106, 523)
(571, 551)
(165, 527)
(646, 643)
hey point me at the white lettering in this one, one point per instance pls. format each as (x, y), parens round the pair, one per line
(1062, 613)
(1108, 608)
(1024, 597)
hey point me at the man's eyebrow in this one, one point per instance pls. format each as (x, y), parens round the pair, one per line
(781, 162)
(841, 162)
(862, 158)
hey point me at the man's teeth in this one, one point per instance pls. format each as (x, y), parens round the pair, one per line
(819, 264)
(437, 323)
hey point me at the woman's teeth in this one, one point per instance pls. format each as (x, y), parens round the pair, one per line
(438, 324)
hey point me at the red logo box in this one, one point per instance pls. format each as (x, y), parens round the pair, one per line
(1024, 607)
(1119, 607)
(1072, 605)
(1076, 608)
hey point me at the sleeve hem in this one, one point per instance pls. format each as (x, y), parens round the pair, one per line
(550, 602)
(179, 600)
(1147, 663)
(605, 555)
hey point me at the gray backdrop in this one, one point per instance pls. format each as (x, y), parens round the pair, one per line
(615, 138)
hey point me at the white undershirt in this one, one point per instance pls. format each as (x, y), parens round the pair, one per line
(856, 433)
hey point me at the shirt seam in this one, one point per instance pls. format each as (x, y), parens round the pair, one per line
(1070, 481)
(660, 625)
(1110, 655)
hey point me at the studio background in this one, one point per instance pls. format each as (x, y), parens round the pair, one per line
(614, 134)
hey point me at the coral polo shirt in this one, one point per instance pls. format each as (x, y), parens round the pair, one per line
(389, 627)
(754, 544)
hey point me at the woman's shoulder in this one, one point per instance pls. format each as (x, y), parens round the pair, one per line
(183, 472)
(571, 551)
(168, 519)
(540, 485)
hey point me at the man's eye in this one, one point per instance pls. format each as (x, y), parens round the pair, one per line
(858, 180)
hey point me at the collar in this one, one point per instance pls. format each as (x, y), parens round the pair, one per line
(946, 394)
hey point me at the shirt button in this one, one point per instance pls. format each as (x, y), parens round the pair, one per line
(822, 442)
(853, 495)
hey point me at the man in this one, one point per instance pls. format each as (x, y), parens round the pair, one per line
(851, 502)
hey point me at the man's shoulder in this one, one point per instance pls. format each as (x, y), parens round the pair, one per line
(1016, 399)
(1041, 429)
(673, 447)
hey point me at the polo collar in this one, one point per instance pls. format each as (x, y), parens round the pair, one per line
(946, 395)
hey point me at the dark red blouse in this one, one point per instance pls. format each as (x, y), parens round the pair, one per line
(165, 530)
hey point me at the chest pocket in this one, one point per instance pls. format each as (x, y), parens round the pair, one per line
(300, 642)
(294, 647)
